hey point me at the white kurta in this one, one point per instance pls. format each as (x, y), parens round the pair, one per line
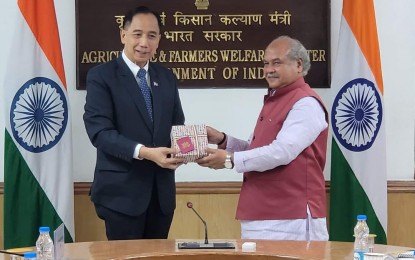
(303, 125)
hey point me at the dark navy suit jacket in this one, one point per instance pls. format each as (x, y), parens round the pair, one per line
(116, 120)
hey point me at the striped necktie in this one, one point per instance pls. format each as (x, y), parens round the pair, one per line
(145, 90)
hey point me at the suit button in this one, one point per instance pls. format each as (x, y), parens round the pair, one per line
(261, 118)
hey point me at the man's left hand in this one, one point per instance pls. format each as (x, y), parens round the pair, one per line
(214, 160)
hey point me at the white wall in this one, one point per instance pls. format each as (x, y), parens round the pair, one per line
(235, 110)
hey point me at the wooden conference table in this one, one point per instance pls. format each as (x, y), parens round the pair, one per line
(167, 249)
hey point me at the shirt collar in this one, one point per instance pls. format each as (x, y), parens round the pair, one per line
(132, 66)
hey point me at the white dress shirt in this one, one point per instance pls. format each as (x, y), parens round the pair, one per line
(134, 70)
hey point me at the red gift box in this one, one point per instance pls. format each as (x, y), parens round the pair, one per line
(190, 140)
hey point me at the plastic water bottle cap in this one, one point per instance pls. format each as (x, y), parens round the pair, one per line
(29, 255)
(361, 217)
(44, 229)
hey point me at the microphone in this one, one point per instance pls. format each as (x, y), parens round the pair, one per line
(206, 245)
(11, 253)
(190, 206)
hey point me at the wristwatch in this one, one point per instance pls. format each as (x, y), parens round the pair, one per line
(228, 162)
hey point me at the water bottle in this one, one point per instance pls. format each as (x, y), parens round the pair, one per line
(44, 245)
(29, 256)
(361, 234)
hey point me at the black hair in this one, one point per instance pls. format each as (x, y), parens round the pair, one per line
(139, 10)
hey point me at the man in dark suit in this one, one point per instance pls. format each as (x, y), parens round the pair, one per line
(128, 119)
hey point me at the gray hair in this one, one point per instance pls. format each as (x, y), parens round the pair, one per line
(297, 51)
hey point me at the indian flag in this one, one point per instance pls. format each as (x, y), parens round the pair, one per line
(358, 168)
(38, 183)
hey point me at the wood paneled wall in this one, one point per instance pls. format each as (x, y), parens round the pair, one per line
(216, 203)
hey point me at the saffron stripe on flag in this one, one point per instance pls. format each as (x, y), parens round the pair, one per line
(41, 19)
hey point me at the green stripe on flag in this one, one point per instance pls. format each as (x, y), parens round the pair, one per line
(347, 200)
(26, 206)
